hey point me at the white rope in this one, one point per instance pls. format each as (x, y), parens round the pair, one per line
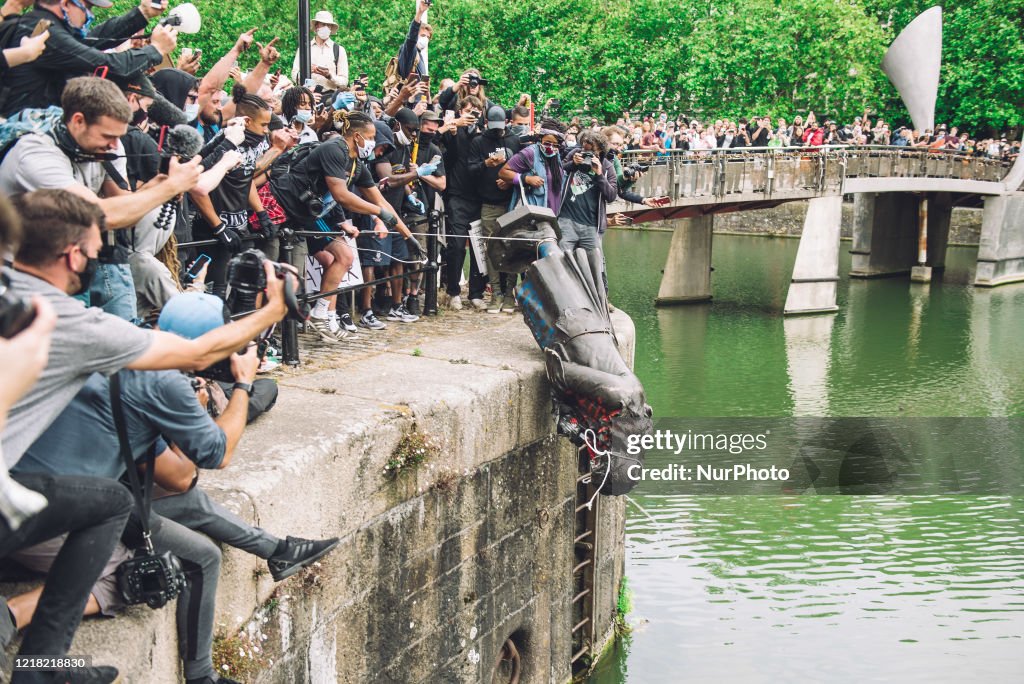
(608, 464)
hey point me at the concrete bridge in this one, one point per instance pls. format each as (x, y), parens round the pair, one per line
(903, 199)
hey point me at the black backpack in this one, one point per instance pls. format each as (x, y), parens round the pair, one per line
(287, 162)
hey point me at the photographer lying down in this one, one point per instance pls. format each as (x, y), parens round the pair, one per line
(158, 406)
(55, 260)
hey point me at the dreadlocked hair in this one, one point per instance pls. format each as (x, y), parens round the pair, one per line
(246, 103)
(345, 121)
(553, 124)
(168, 256)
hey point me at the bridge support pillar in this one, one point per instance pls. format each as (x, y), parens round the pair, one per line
(884, 234)
(816, 271)
(1001, 249)
(687, 274)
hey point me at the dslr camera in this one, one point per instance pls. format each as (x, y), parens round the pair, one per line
(16, 313)
(633, 171)
(246, 279)
(475, 80)
(151, 578)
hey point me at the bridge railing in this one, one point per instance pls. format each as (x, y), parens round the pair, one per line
(750, 174)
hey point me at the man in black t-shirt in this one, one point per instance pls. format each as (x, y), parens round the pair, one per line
(319, 186)
(223, 213)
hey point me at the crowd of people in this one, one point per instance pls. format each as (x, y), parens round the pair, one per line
(132, 179)
(659, 133)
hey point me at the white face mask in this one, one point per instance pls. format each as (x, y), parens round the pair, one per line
(192, 111)
(366, 150)
(324, 32)
(401, 138)
(422, 43)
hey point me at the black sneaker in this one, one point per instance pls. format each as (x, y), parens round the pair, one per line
(298, 554)
(346, 322)
(104, 674)
(412, 305)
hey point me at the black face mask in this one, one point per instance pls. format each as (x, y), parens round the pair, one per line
(518, 129)
(85, 276)
(253, 139)
(139, 116)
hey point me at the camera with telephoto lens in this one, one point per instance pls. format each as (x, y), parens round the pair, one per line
(246, 279)
(633, 171)
(16, 313)
(150, 578)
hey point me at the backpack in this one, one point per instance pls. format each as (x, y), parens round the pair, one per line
(287, 162)
(27, 121)
(391, 76)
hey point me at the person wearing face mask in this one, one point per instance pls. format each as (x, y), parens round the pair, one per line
(297, 111)
(488, 152)
(83, 154)
(518, 126)
(539, 167)
(222, 213)
(412, 56)
(327, 59)
(39, 84)
(324, 177)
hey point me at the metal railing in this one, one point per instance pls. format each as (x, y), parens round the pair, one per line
(714, 176)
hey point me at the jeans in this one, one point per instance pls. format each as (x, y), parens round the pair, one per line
(576, 235)
(489, 215)
(113, 290)
(461, 212)
(197, 511)
(93, 512)
(200, 559)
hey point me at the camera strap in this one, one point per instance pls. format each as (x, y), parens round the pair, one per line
(141, 491)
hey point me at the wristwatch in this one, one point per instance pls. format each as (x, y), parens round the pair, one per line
(244, 386)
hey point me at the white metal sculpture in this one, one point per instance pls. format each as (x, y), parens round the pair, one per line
(913, 62)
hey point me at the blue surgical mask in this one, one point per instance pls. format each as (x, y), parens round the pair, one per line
(304, 115)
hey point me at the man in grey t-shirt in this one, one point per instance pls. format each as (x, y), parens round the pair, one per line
(56, 259)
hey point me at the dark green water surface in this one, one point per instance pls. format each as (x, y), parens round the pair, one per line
(821, 588)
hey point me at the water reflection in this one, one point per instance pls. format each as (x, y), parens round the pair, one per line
(823, 588)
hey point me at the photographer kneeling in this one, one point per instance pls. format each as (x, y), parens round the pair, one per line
(158, 406)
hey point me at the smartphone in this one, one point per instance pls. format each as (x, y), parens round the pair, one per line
(198, 53)
(363, 77)
(156, 4)
(627, 220)
(192, 272)
(449, 116)
(318, 89)
(309, 83)
(41, 26)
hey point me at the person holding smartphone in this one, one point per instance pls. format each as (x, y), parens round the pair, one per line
(328, 60)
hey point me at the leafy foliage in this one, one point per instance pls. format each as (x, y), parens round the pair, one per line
(707, 58)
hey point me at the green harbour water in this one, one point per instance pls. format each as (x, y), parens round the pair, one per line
(821, 588)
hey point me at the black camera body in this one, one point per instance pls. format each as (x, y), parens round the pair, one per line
(633, 171)
(475, 80)
(588, 157)
(153, 579)
(16, 313)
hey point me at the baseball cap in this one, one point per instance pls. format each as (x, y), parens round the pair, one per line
(407, 117)
(138, 84)
(193, 314)
(495, 117)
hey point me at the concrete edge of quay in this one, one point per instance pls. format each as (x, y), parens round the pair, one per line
(313, 467)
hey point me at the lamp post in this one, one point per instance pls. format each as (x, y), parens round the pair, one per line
(305, 67)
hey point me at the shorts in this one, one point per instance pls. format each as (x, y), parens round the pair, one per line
(318, 244)
(373, 251)
(399, 251)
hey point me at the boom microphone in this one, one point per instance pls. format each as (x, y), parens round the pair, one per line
(163, 113)
(183, 142)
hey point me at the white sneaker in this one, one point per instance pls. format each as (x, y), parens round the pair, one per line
(455, 303)
(398, 313)
(371, 322)
(478, 304)
(322, 327)
(346, 322)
